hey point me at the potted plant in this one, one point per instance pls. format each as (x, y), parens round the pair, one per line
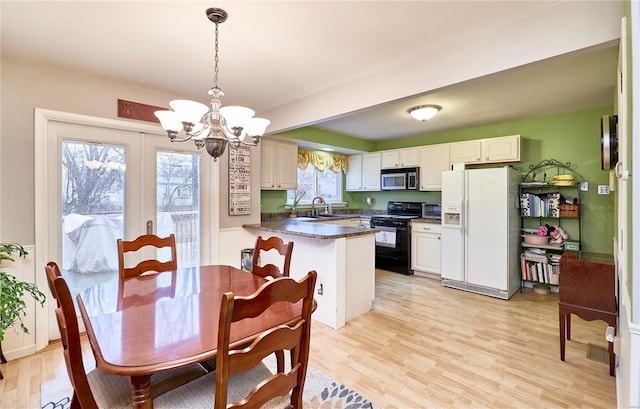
(296, 200)
(12, 291)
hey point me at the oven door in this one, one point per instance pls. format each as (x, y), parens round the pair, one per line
(386, 237)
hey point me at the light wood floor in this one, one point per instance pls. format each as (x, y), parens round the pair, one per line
(426, 346)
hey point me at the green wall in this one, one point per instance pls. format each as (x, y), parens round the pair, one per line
(572, 137)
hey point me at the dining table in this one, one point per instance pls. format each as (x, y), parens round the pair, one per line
(143, 325)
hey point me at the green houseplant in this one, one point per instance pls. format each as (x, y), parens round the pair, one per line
(12, 291)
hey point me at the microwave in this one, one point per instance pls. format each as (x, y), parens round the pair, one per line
(431, 211)
(399, 179)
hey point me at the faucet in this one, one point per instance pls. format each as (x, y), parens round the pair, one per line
(314, 212)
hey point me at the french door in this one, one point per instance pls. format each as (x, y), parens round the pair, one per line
(109, 182)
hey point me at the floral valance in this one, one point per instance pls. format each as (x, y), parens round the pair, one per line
(322, 160)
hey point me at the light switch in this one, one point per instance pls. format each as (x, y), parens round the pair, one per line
(584, 186)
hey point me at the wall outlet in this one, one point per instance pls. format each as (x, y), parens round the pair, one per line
(584, 186)
(603, 189)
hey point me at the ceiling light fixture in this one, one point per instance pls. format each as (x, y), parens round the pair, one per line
(424, 112)
(212, 128)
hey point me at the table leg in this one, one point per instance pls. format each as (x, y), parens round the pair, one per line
(569, 326)
(563, 322)
(141, 392)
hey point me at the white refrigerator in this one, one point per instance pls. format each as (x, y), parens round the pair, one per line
(480, 231)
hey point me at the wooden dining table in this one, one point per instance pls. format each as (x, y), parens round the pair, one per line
(144, 325)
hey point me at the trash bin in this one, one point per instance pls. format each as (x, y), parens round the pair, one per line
(246, 257)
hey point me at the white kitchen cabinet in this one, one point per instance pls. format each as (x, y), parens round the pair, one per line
(354, 173)
(400, 158)
(489, 150)
(425, 249)
(278, 165)
(433, 160)
(467, 152)
(363, 173)
(501, 149)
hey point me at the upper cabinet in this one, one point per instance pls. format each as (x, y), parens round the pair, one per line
(364, 172)
(490, 150)
(400, 158)
(502, 149)
(278, 165)
(433, 160)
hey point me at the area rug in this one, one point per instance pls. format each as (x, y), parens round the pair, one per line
(320, 392)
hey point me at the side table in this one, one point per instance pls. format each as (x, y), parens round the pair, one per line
(588, 290)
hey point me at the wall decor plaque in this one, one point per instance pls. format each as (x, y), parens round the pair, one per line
(239, 181)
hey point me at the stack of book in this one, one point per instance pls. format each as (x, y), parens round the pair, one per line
(540, 267)
(540, 205)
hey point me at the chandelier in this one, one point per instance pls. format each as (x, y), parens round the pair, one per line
(214, 126)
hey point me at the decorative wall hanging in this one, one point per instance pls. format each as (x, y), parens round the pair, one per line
(240, 181)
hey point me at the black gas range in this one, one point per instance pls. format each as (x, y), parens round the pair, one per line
(393, 239)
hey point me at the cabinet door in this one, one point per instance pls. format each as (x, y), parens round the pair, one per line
(354, 173)
(502, 149)
(409, 157)
(267, 164)
(390, 159)
(433, 160)
(286, 166)
(467, 152)
(425, 255)
(371, 171)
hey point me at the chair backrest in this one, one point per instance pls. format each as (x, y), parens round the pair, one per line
(295, 338)
(71, 345)
(144, 266)
(285, 249)
(53, 271)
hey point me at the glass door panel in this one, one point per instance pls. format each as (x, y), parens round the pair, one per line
(92, 203)
(178, 204)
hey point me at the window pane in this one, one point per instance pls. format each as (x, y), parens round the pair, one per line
(178, 200)
(312, 182)
(93, 185)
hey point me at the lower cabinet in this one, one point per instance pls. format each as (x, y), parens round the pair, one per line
(425, 249)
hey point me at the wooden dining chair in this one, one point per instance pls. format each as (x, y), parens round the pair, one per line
(149, 265)
(272, 243)
(240, 373)
(98, 389)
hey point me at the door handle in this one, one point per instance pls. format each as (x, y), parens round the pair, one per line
(149, 226)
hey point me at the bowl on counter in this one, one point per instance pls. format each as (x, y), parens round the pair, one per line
(535, 239)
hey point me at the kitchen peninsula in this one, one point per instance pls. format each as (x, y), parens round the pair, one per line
(344, 258)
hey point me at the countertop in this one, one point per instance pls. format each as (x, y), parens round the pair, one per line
(430, 221)
(301, 227)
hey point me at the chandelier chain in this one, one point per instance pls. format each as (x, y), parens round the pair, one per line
(215, 69)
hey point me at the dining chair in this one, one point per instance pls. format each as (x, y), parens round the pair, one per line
(98, 389)
(240, 373)
(149, 265)
(272, 243)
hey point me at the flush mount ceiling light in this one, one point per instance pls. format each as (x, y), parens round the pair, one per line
(424, 112)
(214, 127)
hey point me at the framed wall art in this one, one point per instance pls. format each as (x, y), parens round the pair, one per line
(239, 181)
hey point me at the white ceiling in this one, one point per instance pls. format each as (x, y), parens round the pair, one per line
(280, 57)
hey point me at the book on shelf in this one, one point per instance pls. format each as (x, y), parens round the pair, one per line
(542, 270)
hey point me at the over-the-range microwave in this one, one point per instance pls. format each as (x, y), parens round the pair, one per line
(399, 179)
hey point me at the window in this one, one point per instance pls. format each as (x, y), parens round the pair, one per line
(312, 183)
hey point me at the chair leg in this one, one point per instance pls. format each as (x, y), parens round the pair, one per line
(563, 333)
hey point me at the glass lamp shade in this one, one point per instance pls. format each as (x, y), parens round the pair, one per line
(189, 111)
(236, 116)
(257, 126)
(169, 120)
(424, 112)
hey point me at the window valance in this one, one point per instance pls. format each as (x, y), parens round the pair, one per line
(322, 160)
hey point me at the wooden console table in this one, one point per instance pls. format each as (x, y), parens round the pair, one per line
(588, 290)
